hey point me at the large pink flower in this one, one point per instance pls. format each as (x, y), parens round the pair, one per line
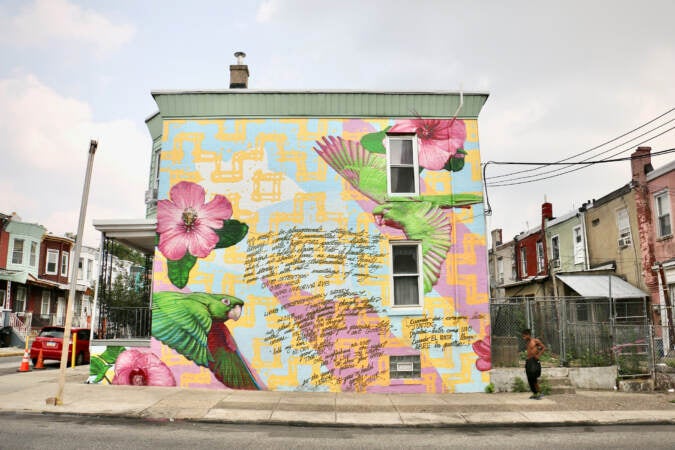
(186, 224)
(142, 369)
(484, 352)
(439, 139)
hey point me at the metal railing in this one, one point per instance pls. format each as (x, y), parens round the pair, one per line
(125, 323)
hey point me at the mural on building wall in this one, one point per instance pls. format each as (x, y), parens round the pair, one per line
(298, 226)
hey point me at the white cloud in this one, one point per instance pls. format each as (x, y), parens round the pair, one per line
(44, 154)
(267, 10)
(41, 22)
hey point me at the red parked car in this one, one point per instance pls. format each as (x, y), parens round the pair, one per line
(50, 341)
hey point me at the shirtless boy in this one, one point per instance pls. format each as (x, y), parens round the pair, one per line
(534, 349)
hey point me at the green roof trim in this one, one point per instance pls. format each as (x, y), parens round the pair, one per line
(154, 124)
(243, 103)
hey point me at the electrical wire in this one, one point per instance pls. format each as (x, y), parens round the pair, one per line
(597, 146)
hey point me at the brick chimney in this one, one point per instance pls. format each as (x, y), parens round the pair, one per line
(496, 237)
(641, 164)
(239, 72)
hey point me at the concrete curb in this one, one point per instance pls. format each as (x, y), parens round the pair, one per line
(302, 423)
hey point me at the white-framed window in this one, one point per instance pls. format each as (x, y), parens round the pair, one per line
(405, 366)
(540, 256)
(45, 307)
(52, 262)
(90, 265)
(64, 264)
(17, 251)
(402, 165)
(33, 254)
(20, 301)
(406, 273)
(555, 250)
(80, 265)
(500, 270)
(578, 240)
(662, 208)
(523, 262)
(623, 225)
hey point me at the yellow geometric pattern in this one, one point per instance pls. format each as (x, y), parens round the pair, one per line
(280, 364)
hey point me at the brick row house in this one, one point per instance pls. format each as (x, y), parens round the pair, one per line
(619, 245)
(35, 277)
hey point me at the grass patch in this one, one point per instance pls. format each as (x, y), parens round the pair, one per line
(490, 388)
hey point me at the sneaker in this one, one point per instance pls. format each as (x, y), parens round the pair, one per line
(538, 397)
(533, 396)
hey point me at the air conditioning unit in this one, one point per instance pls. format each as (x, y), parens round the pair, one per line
(555, 263)
(624, 241)
(151, 195)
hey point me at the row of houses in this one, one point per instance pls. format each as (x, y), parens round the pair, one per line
(619, 246)
(35, 276)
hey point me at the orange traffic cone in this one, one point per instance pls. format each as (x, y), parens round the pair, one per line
(25, 365)
(40, 364)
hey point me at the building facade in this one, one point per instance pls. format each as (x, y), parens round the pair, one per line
(319, 241)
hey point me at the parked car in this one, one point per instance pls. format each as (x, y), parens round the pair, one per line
(50, 341)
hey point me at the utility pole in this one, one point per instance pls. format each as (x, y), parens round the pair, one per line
(58, 400)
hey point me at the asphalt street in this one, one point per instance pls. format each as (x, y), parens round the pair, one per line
(11, 364)
(30, 431)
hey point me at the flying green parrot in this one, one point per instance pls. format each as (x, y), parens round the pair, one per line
(421, 217)
(193, 324)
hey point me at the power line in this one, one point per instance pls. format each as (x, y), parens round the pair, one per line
(584, 164)
(597, 146)
(488, 209)
(587, 159)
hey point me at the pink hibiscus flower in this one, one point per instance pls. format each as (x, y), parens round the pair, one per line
(186, 224)
(142, 369)
(482, 349)
(439, 139)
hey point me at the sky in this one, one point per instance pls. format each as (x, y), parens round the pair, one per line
(563, 77)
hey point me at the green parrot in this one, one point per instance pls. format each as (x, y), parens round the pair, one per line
(193, 324)
(420, 217)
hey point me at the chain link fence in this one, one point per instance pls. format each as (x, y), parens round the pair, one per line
(580, 332)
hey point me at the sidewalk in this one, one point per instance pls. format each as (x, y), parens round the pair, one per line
(11, 351)
(26, 393)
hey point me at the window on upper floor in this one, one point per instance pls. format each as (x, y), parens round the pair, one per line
(662, 208)
(500, 270)
(540, 256)
(406, 273)
(523, 262)
(33, 254)
(623, 225)
(555, 251)
(90, 265)
(402, 165)
(17, 251)
(52, 262)
(80, 263)
(64, 264)
(578, 239)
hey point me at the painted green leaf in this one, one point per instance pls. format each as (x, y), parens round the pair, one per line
(232, 232)
(179, 271)
(456, 163)
(373, 142)
(98, 367)
(111, 353)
